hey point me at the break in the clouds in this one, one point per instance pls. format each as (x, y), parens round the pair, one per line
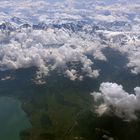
(112, 98)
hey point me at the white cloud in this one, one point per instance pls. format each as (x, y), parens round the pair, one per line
(7, 78)
(29, 47)
(109, 18)
(113, 99)
(126, 42)
(48, 50)
(72, 74)
(134, 61)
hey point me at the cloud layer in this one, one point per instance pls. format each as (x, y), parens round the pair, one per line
(68, 32)
(49, 50)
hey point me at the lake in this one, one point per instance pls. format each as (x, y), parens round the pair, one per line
(12, 119)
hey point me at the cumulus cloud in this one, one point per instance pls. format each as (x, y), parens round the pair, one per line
(112, 98)
(72, 74)
(50, 50)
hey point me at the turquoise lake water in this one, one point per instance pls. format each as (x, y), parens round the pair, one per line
(12, 119)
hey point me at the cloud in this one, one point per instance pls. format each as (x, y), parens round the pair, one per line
(54, 48)
(127, 43)
(7, 78)
(72, 74)
(113, 99)
(50, 50)
(134, 61)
